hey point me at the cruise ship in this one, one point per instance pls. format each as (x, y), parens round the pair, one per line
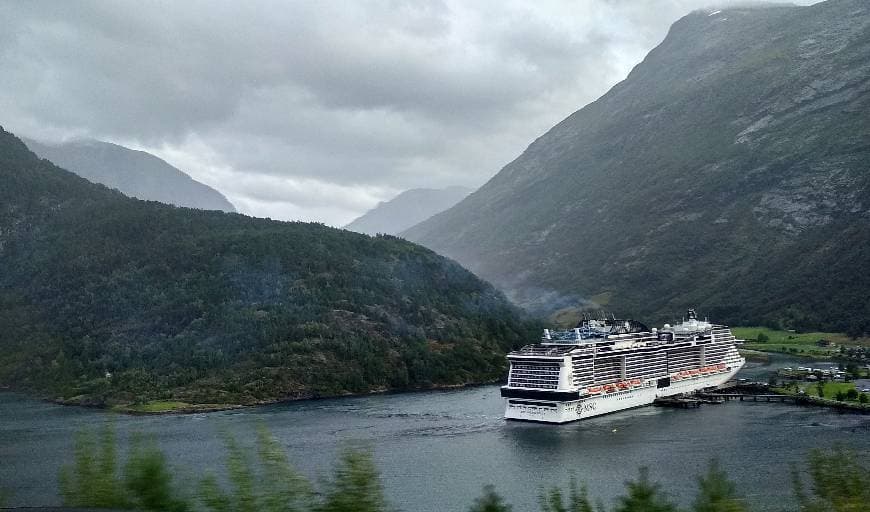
(607, 365)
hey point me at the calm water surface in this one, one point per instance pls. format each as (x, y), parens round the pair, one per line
(437, 449)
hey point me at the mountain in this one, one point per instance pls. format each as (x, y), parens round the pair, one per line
(213, 307)
(728, 171)
(407, 209)
(135, 173)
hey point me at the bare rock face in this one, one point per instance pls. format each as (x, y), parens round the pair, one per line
(729, 170)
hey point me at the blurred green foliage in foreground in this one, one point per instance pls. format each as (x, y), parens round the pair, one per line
(263, 480)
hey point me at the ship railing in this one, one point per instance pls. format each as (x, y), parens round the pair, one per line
(538, 350)
(573, 336)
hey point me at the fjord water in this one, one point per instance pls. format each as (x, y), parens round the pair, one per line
(437, 449)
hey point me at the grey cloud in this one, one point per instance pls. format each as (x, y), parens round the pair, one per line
(356, 99)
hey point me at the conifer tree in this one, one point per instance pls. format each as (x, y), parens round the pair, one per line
(578, 499)
(716, 493)
(490, 501)
(644, 496)
(356, 485)
(840, 483)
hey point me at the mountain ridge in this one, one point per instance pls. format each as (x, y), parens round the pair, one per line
(726, 136)
(407, 209)
(110, 300)
(135, 173)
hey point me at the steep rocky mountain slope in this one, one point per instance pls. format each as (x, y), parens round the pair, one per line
(109, 299)
(407, 209)
(729, 171)
(135, 173)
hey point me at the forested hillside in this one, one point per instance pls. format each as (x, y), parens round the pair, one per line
(729, 172)
(108, 299)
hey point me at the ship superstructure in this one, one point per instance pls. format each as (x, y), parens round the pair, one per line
(606, 365)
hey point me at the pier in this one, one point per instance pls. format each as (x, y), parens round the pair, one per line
(759, 392)
(680, 403)
(695, 401)
(749, 397)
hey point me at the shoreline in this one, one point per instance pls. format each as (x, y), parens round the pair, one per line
(825, 402)
(193, 408)
(835, 357)
(803, 399)
(179, 407)
(808, 357)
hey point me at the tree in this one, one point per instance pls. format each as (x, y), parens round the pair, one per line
(762, 338)
(644, 496)
(241, 478)
(820, 386)
(578, 499)
(862, 398)
(840, 396)
(490, 501)
(356, 485)
(284, 489)
(92, 480)
(272, 486)
(852, 394)
(840, 482)
(716, 493)
(148, 480)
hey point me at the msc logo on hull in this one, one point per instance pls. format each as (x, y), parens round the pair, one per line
(586, 407)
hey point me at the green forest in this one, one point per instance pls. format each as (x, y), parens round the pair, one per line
(108, 300)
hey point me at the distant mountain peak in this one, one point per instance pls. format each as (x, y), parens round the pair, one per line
(135, 173)
(407, 209)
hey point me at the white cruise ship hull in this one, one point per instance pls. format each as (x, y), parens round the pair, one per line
(606, 403)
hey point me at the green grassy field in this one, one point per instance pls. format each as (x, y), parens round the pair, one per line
(170, 406)
(805, 343)
(154, 406)
(788, 337)
(830, 388)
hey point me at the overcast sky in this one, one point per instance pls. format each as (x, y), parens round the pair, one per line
(318, 110)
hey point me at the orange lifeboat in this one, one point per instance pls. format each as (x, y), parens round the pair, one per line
(609, 388)
(594, 390)
(622, 385)
(694, 372)
(636, 382)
